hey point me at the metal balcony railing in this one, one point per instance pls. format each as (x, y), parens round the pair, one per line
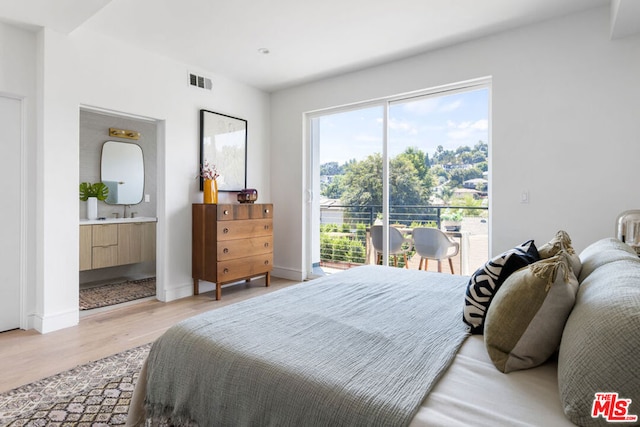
(343, 228)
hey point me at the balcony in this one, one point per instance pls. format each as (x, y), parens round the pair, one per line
(345, 243)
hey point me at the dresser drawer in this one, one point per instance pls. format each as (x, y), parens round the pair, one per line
(241, 268)
(242, 229)
(231, 249)
(244, 211)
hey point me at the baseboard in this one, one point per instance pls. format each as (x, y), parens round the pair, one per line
(186, 290)
(289, 274)
(181, 291)
(50, 323)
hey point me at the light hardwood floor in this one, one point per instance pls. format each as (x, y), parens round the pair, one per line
(27, 356)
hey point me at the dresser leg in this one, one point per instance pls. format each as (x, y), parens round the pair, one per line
(218, 291)
(196, 286)
(268, 278)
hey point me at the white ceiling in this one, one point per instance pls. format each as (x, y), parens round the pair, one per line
(307, 39)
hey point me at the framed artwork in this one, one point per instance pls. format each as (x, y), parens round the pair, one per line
(223, 144)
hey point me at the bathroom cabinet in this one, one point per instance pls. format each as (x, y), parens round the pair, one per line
(104, 245)
(86, 247)
(112, 244)
(136, 242)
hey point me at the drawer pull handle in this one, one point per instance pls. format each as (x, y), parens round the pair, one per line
(266, 245)
(266, 227)
(266, 262)
(226, 212)
(266, 211)
(225, 231)
(225, 250)
(225, 271)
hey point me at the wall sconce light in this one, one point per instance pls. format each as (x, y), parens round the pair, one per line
(123, 133)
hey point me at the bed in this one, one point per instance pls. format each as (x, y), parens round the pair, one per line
(369, 346)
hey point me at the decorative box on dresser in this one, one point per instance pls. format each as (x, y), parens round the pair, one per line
(231, 242)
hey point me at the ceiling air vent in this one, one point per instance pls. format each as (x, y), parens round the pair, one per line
(200, 81)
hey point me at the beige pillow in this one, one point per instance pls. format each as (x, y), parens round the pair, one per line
(603, 252)
(601, 341)
(525, 320)
(561, 241)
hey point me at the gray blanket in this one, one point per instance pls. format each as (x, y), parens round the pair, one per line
(358, 348)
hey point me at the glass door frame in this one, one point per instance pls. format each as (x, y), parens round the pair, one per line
(311, 152)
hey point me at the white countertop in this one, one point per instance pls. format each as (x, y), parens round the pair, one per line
(118, 220)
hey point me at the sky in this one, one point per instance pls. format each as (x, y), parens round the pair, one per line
(451, 121)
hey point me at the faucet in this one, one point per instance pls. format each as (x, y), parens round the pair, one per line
(131, 213)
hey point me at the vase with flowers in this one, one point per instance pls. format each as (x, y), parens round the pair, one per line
(209, 174)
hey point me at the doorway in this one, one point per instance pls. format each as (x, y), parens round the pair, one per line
(11, 219)
(119, 280)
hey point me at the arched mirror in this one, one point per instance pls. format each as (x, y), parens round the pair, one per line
(122, 170)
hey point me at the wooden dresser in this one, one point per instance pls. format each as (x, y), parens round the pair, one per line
(231, 242)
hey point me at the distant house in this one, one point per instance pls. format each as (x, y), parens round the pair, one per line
(331, 212)
(473, 183)
(452, 166)
(461, 192)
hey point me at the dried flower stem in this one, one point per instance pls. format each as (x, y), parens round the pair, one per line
(209, 172)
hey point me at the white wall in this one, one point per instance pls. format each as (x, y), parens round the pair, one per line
(84, 69)
(565, 128)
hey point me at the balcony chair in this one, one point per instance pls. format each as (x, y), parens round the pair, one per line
(431, 243)
(396, 241)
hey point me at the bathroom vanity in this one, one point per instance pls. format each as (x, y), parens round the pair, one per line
(117, 241)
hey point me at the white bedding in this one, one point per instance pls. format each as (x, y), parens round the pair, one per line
(474, 393)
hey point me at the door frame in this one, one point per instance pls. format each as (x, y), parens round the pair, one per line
(22, 321)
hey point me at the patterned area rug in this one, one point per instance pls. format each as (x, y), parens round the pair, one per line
(95, 394)
(116, 293)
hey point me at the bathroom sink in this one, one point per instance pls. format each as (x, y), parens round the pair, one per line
(118, 220)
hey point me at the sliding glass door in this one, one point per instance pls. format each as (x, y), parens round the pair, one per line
(404, 162)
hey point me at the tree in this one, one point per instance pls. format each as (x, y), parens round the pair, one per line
(331, 168)
(412, 185)
(447, 194)
(458, 176)
(410, 181)
(419, 159)
(439, 171)
(461, 155)
(444, 157)
(405, 185)
(334, 189)
(466, 158)
(363, 182)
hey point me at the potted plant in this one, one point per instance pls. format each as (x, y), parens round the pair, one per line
(91, 193)
(451, 219)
